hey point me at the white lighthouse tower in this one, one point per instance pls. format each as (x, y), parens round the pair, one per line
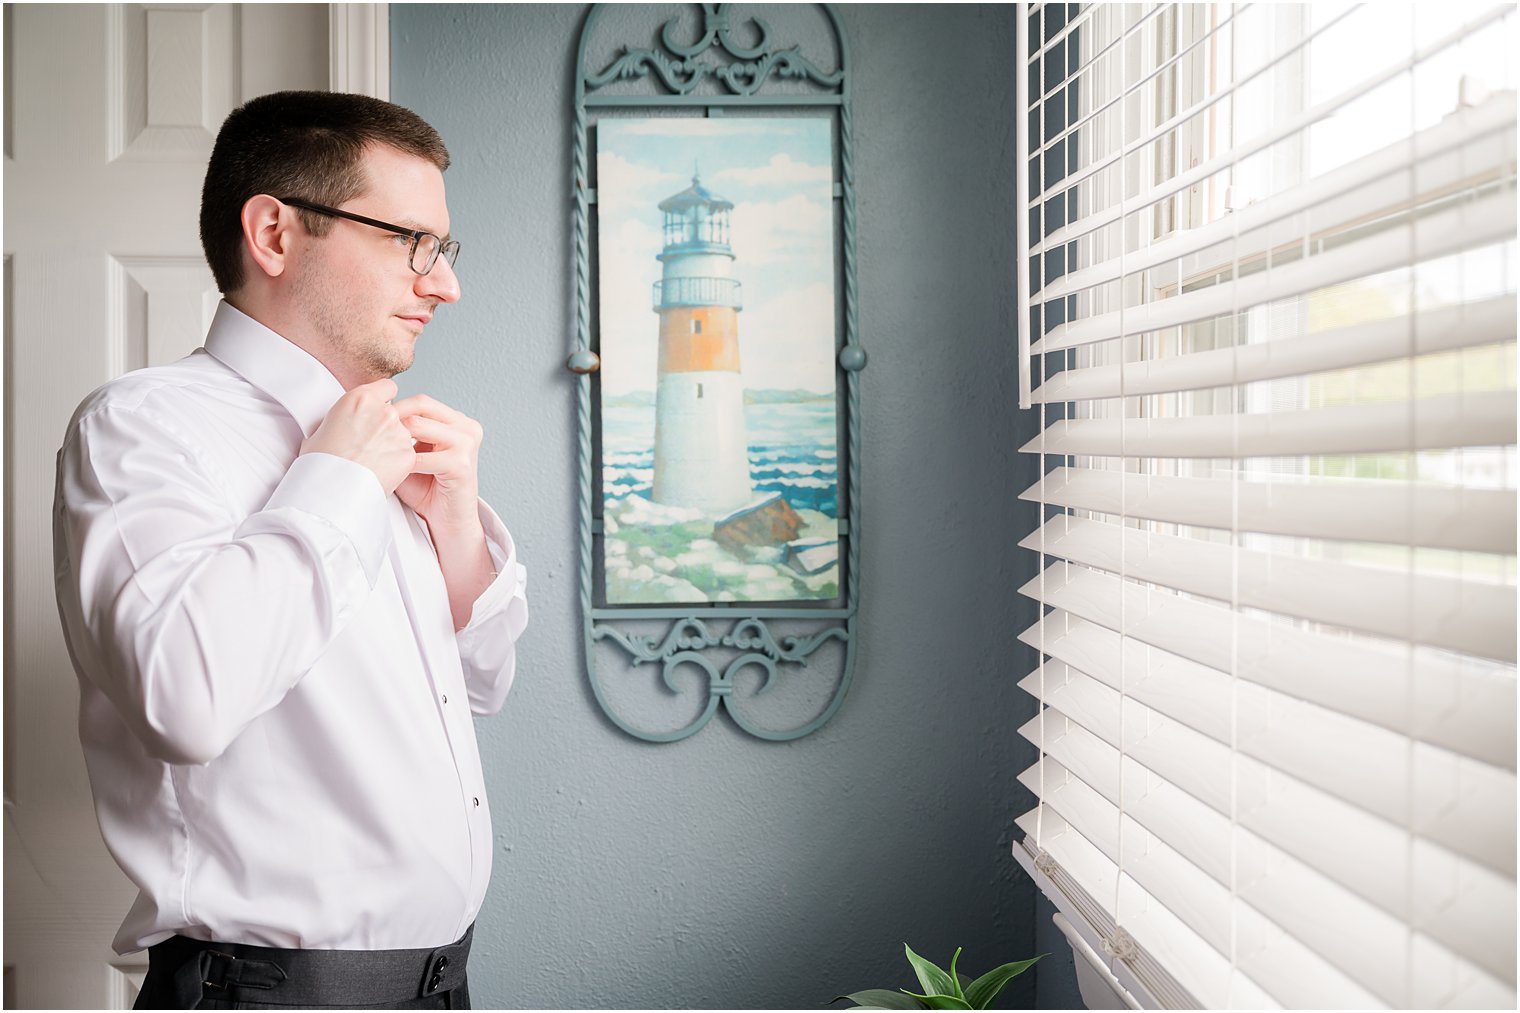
(700, 450)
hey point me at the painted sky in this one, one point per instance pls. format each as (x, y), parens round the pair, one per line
(778, 173)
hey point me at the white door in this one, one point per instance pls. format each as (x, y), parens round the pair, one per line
(110, 112)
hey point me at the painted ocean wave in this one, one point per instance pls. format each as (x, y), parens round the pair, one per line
(768, 466)
(791, 478)
(791, 451)
(789, 468)
(765, 455)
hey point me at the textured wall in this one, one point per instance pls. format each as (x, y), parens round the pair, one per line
(725, 871)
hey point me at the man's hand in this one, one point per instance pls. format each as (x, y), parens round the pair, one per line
(443, 488)
(444, 492)
(364, 427)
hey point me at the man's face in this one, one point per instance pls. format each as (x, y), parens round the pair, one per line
(363, 306)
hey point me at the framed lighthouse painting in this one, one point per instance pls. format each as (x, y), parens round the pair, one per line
(718, 380)
(717, 355)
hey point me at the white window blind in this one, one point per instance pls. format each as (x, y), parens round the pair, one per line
(1271, 292)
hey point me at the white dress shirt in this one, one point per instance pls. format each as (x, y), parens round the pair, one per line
(274, 705)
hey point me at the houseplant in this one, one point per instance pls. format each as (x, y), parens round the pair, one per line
(941, 989)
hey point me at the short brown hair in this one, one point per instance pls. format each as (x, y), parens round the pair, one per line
(306, 144)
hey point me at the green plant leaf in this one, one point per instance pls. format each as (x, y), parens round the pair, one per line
(931, 978)
(955, 977)
(881, 998)
(981, 992)
(940, 1001)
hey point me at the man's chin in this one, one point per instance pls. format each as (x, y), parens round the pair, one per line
(385, 369)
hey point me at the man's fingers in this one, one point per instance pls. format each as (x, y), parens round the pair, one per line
(385, 388)
(430, 430)
(436, 462)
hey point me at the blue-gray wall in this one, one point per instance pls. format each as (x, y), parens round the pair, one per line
(725, 871)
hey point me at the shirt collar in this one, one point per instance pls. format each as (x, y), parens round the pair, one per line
(274, 364)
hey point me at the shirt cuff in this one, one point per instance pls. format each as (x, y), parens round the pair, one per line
(346, 495)
(511, 577)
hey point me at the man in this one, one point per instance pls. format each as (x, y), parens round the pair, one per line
(283, 597)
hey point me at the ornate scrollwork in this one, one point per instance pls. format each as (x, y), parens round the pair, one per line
(677, 638)
(684, 644)
(716, 23)
(680, 71)
(639, 62)
(746, 78)
(752, 633)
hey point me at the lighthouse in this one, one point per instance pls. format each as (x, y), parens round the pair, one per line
(700, 450)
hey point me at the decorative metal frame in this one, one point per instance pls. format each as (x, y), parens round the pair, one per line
(738, 80)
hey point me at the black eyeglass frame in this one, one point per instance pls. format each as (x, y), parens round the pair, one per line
(448, 249)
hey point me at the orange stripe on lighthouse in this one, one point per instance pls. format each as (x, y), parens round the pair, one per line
(713, 345)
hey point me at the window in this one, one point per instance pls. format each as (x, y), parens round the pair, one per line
(1272, 282)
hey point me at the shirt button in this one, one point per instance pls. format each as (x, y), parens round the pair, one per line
(477, 802)
(445, 698)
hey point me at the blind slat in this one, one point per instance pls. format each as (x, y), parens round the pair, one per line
(1166, 879)
(1199, 969)
(1439, 611)
(1485, 419)
(1467, 226)
(1365, 767)
(1287, 127)
(1361, 938)
(1457, 704)
(1147, 732)
(1073, 130)
(1437, 516)
(1439, 330)
(1470, 147)
(1450, 896)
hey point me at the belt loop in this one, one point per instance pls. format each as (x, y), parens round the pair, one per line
(217, 970)
(247, 973)
(190, 980)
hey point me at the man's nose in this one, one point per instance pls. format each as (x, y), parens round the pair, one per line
(441, 283)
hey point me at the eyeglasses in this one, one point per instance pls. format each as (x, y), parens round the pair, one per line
(426, 247)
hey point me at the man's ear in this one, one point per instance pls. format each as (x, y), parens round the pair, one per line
(267, 233)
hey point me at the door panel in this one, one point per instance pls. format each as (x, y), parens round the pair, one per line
(110, 115)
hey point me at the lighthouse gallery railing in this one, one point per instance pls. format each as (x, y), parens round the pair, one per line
(698, 291)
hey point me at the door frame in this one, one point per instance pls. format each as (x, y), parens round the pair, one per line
(359, 43)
